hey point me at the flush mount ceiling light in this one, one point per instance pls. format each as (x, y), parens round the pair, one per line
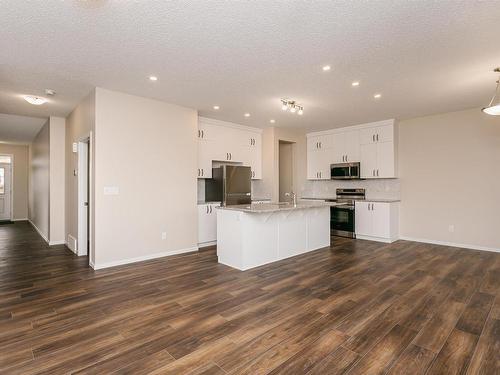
(50, 92)
(377, 96)
(247, 114)
(216, 107)
(355, 83)
(326, 68)
(272, 121)
(292, 106)
(153, 78)
(493, 108)
(35, 100)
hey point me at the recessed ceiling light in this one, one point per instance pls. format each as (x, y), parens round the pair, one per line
(216, 107)
(153, 78)
(247, 115)
(355, 83)
(377, 96)
(272, 121)
(35, 100)
(326, 68)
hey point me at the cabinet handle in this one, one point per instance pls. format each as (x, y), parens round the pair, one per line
(346, 158)
(373, 137)
(227, 155)
(202, 134)
(207, 208)
(230, 156)
(202, 171)
(210, 209)
(377, 137)
(377, 172)
(368, 206)
(199, 135)
(319, 144)
(373, 172)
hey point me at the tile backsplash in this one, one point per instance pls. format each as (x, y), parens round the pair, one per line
(375, 189)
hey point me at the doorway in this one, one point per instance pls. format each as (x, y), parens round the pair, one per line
(285, 169)
(6, 192)
(84, 197)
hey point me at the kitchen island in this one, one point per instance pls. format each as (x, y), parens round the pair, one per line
(249, 236)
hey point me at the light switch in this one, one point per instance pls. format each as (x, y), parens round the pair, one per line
(75, 147)
(111, 190)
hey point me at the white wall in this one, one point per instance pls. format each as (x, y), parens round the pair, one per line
(20, 179)
(40, 160)
(57, 180)
(450, 175)
(148, 150)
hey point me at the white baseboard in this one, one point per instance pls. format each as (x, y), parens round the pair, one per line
(206, 244)
(23, 219)
(58, 242)
(39, 231)
(98, 266)
(452, 244)
(377, 239)
(91, 264)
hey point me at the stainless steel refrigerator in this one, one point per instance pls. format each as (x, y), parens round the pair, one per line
(230, 184)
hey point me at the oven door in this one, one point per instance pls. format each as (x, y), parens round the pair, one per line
(342, 221)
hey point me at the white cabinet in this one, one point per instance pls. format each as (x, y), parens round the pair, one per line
(207, 223)
(226, 142)
(373, 145)
(377, 221)
(345, 147)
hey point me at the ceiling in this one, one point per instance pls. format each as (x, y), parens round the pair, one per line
(424, 57)
(19, 129)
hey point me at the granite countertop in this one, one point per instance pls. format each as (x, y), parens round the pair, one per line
(382, 200)
(209, 202)
(275, 207)
(375, 200)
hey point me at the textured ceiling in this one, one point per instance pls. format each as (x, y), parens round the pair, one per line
(19, 129)
(423, 56)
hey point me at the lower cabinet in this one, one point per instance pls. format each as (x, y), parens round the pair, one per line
(207, 224)
(377, 221)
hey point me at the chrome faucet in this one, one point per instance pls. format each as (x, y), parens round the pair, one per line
(293, 196)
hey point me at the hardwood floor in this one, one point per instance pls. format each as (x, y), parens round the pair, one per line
(358, 307)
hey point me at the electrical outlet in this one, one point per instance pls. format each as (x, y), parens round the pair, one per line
(451, 228)
(163, 235)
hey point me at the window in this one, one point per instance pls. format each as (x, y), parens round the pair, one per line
(2, 180)
(5, 159)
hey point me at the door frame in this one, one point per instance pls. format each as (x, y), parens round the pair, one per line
(82, 142)
(11, 213)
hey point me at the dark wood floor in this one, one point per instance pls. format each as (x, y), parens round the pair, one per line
(358, 307)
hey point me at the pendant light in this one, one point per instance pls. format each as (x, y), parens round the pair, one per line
(494, 107)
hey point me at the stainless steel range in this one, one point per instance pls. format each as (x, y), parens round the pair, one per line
(342, 217)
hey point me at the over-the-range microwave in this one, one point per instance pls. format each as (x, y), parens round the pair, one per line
(345, 171)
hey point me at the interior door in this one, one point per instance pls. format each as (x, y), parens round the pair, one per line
(5, 191)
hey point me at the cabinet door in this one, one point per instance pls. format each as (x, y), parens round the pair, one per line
(381, 220)
(367, 136)
(368, 160)
(324, 164)
(338, 148)
(385, 160)
(384, 133)
(203, 223)
(314, 163)
(205, 157)
(363, 219)
(351, 142)
(313, 143)
(212, 222)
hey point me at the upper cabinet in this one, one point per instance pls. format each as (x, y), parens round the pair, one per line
(226, 142)
(373, 145)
